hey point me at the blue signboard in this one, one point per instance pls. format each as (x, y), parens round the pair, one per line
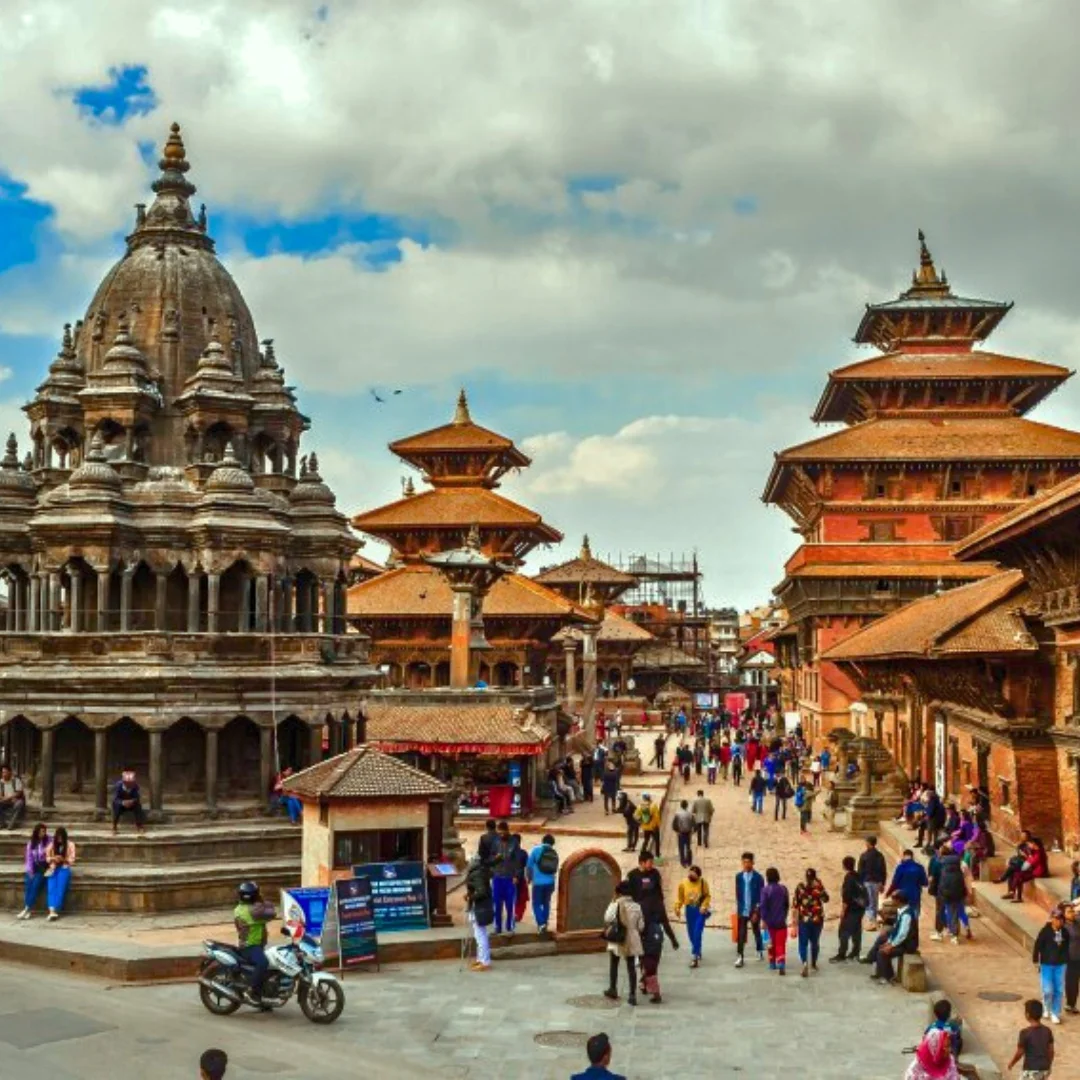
(399, 894)
(357, 939)
(312, 904)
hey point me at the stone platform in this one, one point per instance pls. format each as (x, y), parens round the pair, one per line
(171, 868)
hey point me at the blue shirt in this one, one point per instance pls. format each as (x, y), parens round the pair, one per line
(747, 897)
(532, 868)
(597, 1072)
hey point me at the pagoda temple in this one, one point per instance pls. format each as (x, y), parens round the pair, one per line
(935, 443)
(407, 609)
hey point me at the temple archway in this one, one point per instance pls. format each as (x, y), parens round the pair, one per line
(73, 758)
(307, 602)
(238, 758)
(237, 599)
(505, 673)
(293, 744)
(183, 754)
(127, 746)
(143, 599)
(176, 599)
(20, 747)
(442, 673)
(418, 675)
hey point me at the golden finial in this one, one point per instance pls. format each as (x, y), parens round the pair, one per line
(461, 413)
(472, 541)
(926, 277)
(410, 488)
(586, 551)
(174, 145)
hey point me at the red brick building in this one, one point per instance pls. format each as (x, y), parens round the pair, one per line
(935, 444)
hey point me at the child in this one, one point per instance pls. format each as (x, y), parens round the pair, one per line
(944, 1021)
(804, 796)
(1035, 1044)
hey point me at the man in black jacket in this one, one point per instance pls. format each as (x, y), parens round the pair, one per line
(628, 808)
(873, 873)
(853, 897)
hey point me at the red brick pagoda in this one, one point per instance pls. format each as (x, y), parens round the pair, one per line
(935, 444)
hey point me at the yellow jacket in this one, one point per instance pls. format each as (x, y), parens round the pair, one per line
(649, 817)
(693, 893)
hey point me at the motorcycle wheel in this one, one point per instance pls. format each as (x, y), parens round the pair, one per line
(218, 1004)
(322, 1002)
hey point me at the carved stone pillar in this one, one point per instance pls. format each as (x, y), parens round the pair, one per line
(161, 585)
(243, 622)
(193, 590)
(32, 621)
(48, 780)
(212, 770)
(315, 752)
(262, 598)
(266, 759)
(313, 606)
(570, 657)
(101, 781)
(328, 607)
(55, 612)
(589, 635)
(9, 615)
(213, 595)
(127, 579)
(285, 624)
(75, 600)
(103, 600)
(156, 771)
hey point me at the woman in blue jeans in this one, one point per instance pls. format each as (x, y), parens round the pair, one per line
(36, 865)
(61, 858)
(1051, 954)
(694, 899)
(809, 910)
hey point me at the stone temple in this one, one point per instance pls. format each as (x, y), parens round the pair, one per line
(175, 572)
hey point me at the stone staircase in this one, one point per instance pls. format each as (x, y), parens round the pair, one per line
(171, 868)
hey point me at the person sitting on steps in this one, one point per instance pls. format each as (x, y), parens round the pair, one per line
(127, 800)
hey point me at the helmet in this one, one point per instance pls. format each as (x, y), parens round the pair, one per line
(247, 891)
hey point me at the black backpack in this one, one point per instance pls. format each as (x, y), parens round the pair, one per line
(547, 862)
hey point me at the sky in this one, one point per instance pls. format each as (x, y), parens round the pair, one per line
(639, 232)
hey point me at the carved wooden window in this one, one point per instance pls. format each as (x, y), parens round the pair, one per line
(1004, 791)
(882, 586)
(882, 532)
(956, 528)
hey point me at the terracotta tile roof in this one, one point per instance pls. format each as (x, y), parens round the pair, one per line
(614, 628)
(452, 507)
(958, 365)
(364, 771)
(1047, 506)
(1011, 438)
(418, 591)
(367, 566)
(468, 436)
(659, 655)
(951, 570)
(464, 727)
(982, 617)
(585, 571)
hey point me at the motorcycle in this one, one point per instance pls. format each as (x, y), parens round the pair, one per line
(225, 978)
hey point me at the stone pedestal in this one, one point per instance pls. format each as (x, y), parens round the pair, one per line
(863, 815)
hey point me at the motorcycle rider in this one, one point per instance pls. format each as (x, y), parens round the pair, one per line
(251, 916)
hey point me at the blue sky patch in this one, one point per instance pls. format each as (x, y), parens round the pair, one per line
(21, 220)
(745, 205)
(576, 185)
(127, 93)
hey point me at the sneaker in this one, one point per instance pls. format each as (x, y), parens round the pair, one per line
(805, 971)
(611, 993)
(1071, 1009)
(53, 916)
(631, 1000)
(480, 967)
(1054, 1018)
(955, 940)
(739, 961)
(969, 935)
(837, 959)
(24, 914)
(780, 970)
(760, 956)
(935, 936)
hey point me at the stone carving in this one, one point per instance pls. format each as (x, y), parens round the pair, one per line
(587, 882)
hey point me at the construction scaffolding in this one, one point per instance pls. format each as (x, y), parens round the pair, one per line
(674, 582)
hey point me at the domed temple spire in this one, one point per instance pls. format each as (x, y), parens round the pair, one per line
(586, 550)
(461, 413)
(926, 279)
(171, 209)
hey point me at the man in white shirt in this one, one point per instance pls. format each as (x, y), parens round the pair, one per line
(12, 799)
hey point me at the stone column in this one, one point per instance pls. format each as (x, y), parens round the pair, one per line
(328, 607)
(23, 594)
(212, 770)
(161, 584)
(9, 615)
(262, 598)
(194, 582)
(48, 780)
(285, 615)
(243, 622)
(75, 600)
(213, 595)
(127, 579)
(102, 600)
(313, 606)
(570, 656)
(32, 623)
(588, 698)
(155, 771)
(266, 760)
(55, 613)
(101, 781)
(460, 636)
(315, 751)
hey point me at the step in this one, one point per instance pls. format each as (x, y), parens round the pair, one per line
(1020, 923)
(167, 845)
(140, 889)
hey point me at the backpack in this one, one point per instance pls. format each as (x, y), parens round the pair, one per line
(800, 798)
(547, 862)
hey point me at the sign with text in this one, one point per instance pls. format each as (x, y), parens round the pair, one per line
(357, 939)
(309, 905)
(399, 894)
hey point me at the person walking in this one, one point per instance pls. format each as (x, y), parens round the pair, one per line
(623, 927)
(540, 870)
(775, 906)
(804, 803)
(909, 879)
(1072, 969)
(952, 888)
(60, 855)
(810, 901)
(587, 776)
(659, 750)
(521, 882)
(695, 901)
(1051, 956)
(703, 811)
(480, 905)
(647, 888)
(749, 885)
(873, 873)
(853, 899)
(1035, 1044)
(782, 792)
(628, 808)
(648, 817)
(503, 875)
(736, 765)
(609, 787)
(682, 824)
(35, 864)
(758, 786)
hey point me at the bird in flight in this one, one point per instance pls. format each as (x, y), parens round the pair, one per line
(381, 400)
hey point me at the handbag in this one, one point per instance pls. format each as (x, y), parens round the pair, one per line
(614, 933)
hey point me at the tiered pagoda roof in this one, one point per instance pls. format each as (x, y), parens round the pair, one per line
(587, 576)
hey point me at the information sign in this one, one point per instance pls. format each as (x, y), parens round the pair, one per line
(399, 894)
